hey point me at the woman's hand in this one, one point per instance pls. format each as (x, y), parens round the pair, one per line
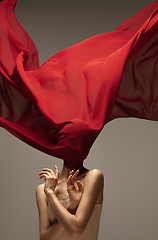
(74, 193)
(51, 179)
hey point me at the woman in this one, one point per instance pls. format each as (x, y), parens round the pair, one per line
(70, 203)
(61, 107)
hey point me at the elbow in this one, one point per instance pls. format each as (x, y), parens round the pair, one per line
(76, 232)
(75, 235)
(41, 237)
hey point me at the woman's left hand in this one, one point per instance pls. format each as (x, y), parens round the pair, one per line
(51, 179)
(74, 193)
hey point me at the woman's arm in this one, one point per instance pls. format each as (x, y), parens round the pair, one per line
(47, 232)
(74, 225)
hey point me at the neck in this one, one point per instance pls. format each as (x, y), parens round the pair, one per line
(66, 171)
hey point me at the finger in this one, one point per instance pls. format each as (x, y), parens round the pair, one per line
(44, 176)
(80, 187)
(69, 179)
(49, 170)
(57, 171)
(45, 172)
(72, 172)
(75, 175)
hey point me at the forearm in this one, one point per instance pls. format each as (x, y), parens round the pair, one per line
(67, 219)
(53, 233)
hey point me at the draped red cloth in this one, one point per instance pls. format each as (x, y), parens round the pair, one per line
(61, 107)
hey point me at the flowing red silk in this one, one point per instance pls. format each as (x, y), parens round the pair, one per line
(61, 107)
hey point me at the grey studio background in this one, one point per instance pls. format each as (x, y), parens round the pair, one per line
(126, 150)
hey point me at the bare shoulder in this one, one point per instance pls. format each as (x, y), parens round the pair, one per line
(40, 191)
(96, 174)
(95, 178)
(40, 188)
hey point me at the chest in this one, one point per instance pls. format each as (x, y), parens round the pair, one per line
(64, 200)
(63, 196)
(61, 190)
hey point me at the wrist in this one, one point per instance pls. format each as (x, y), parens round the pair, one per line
(49, 192)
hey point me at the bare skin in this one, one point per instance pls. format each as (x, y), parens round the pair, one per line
(74, 218)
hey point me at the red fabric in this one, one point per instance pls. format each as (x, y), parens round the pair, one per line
(61, 106)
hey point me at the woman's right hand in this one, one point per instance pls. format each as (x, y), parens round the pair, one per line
(74, 193)
(51, 179)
